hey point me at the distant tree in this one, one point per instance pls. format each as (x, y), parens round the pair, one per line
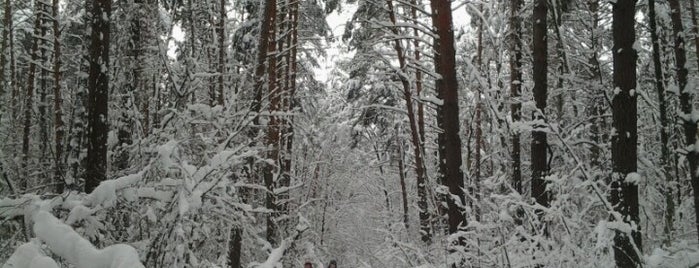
(58, 125)
(29, 98)
(665, 160)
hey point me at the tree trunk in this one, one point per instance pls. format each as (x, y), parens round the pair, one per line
(29, 101)
(425, 230)
(665, 146)
(516, 91)
(515, 96)
(539, 142)
(448, 114)
(624, 196)
(59, 130)
(7, 25)
(403, 188)
(43, 123)
(695, 29)
(221, 51)
(689, 124)
(273, 125)
(98, 92)
(476, 181)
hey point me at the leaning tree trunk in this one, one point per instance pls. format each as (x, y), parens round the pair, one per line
(624, 190)
(98, 91)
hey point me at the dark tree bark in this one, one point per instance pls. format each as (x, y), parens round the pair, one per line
(29, 101)
(516, 90)
(43, 74)
(686, 98)
(695, 29)
(58, 125)
(539, 142)
(597, 100)
(448, 114)
(624, 192)
(13, 77)
(425, 230)
(665, 146)
(221, 51)
(267, 23)
(403, 188)
(7, 23)
(476, 180)
(273, 137)
(98, 92)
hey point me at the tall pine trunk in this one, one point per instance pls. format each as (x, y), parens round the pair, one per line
(98, 92)
(449, 145)
(273, 125)
(624, 190)
(539, 143)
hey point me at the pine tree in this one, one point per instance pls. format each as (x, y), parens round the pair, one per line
(624, 190)
(98, 92)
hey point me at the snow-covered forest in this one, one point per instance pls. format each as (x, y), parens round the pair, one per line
(375, 133)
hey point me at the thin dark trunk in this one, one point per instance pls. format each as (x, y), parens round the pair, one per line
(58, 124)
(515, 98)
(7, 24)
(425, 230)
(235, 247)
(664, 145)
(516, 92)
(267, 23)
(476, 181)
(539, 143)
(29, 101)
(98, 92)
(221, 51)
(403, 188)
(43, 123)
(624, 191)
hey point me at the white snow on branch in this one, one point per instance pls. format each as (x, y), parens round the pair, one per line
(69, 245)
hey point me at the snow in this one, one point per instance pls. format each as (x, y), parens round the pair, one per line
(105, 194)
(29, 255)
(680, 255)
(69, 245)
(633, 178)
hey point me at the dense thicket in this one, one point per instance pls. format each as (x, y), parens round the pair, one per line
(422, 133)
